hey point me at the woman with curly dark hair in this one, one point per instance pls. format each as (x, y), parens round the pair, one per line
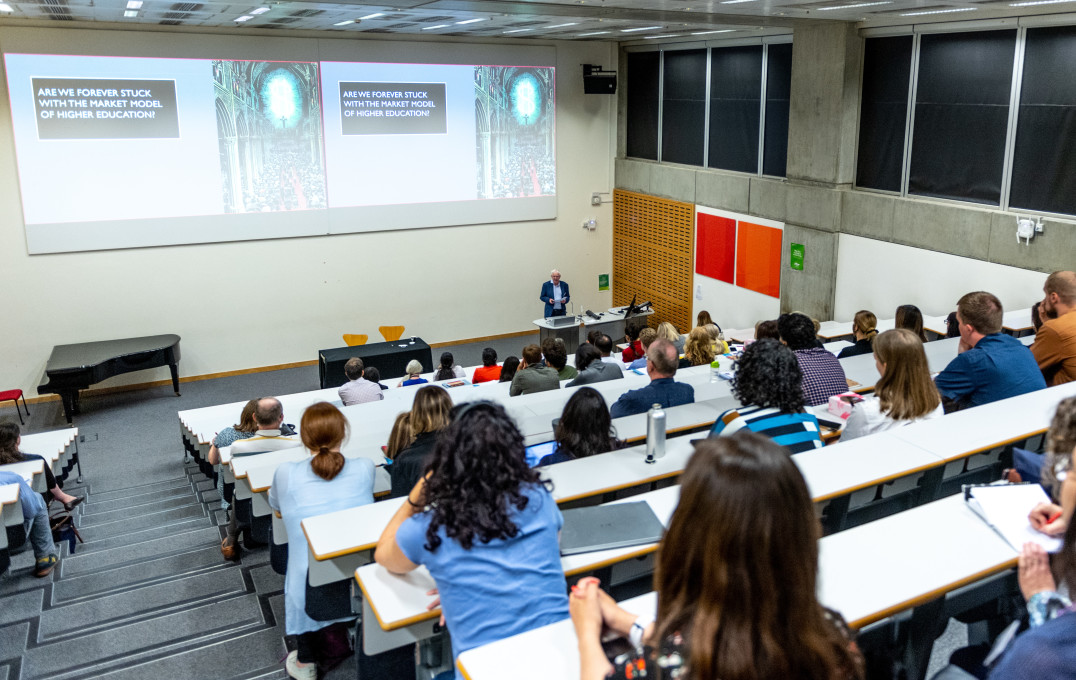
(585, 428)
(768, 383)
(485, 525)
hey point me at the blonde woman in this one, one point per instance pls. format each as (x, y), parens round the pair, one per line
(865, 328)
(717, 339)
(904, 394)
(699, 350)
(667, 331)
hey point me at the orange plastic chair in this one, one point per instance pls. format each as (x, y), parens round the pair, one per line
(391, 333)
(352, 339)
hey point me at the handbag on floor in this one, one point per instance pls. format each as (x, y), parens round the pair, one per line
(63, 529)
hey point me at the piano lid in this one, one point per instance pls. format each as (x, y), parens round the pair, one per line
(79, 356)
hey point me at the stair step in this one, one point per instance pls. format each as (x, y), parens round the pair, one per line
(93, 503)
(131, 575)
(144, 521)
(233, 657)
(152, 487)
(93, 518)
(165, 543)
(21, 606)
(135, 537)
(121, 608)
(103, 649)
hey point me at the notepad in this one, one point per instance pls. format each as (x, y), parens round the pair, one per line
(1006, 507)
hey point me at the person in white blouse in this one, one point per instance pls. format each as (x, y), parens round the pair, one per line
(904, 394)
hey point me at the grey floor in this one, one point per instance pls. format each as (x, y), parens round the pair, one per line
(148, 594)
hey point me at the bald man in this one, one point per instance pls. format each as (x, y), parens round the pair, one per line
(661, 362)
(1055, 341)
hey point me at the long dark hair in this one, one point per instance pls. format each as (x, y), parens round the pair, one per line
(9, 444)
(585, 426)
(477, 473)
(737, 567)
(509, 368)
(444, 371)
(769, 376)
(586, 355)
(909, 316)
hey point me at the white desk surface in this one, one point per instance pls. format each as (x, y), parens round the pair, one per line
(740, 335)
(836, 346)
(32, 470)
(1017, 320)
(255, 469)
(847, 466)
(936, 324)
(867, 574)
(49, 445)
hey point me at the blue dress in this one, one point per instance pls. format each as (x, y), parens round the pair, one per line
(298, 493)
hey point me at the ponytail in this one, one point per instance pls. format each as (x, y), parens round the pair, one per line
(327, 464)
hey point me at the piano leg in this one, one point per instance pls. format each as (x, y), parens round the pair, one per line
(68, 398)
(174, 368)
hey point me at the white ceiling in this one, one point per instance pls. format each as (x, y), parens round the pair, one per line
(616, 20)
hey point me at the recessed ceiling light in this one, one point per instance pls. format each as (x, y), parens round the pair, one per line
(856, 6)
(641, 28)
(371, 16)
(576, 23)
(430, 28)
(134, 4)
(1037, 2)
(940, 11)
(260, 10)
(519, 30)
(584, 35)
(724, 30)
(651, 37)
(470, 21)
(344, 23)
(130, 13)
(4, 7)
(734, 2)
(245, 17)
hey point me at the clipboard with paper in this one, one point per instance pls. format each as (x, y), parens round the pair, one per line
(1005, 508)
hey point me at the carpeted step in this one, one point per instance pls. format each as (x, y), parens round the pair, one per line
(92, 517)
(21, 606)
(165, 543)
(131, 575)
(134, 537)
(150, 601)
(113, 647)
(144, 521)
(94, 504)
(132, 491)
(236, 657)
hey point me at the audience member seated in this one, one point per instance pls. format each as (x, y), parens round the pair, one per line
(864, 328)
(414, 374)
(592, 336)
(486, 527)
(556, 357)
(909, 317)
(769, 385)
(448, 368)
(605, 345)
(661, 363)
(400, 436)
(717, 338)
(357, 389)
(532, 376)
(509, 369)
(373, 375)
(646, 337)
(35, 522)
(634, 350)
(326, 482)
(584, 429)
(823, 376)
(1053, 518)
(767, 329)
(904, 394)
(245, 428)
(489, 371)
(990, 365)
(667, 331)
(699, 350)
(703, 319)
(268, 416)
(591, 368)
(1055, 342)
(735, 579)
(429, 415)
(10, 440)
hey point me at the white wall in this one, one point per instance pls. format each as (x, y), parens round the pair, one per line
(881, 276)
(261, 303)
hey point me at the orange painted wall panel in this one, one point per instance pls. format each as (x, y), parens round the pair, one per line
(758, 258)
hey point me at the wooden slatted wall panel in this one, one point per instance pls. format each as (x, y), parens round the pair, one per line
(654, 255)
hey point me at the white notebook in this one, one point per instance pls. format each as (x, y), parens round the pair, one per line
(1006, 507)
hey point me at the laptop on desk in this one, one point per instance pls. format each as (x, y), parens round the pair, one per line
(606, 527)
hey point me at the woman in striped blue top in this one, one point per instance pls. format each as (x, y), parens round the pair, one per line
(768, 384)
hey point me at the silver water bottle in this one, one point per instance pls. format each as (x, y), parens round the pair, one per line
(655, 434)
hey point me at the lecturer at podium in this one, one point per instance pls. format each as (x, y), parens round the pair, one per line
(555, 295)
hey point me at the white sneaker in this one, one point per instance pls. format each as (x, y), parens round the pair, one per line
(306, 672)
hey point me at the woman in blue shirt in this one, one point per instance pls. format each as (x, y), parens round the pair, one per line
(485, 525)
(325, 483)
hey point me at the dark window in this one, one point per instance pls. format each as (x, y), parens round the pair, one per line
(1044, 162)
(735, 91)
(642, 118)
(883, 112)
(683, 112)
(778, 89)
(961, 115)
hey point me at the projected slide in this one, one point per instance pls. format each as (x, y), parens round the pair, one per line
(120, 152)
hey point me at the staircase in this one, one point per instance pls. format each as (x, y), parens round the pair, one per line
(148, 595)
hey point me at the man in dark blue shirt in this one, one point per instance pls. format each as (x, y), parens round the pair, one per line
(661, 361)
(991, 365)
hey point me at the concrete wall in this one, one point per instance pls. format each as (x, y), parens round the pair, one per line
(261, 303)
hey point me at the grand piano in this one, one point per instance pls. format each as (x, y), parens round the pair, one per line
(71, 368)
